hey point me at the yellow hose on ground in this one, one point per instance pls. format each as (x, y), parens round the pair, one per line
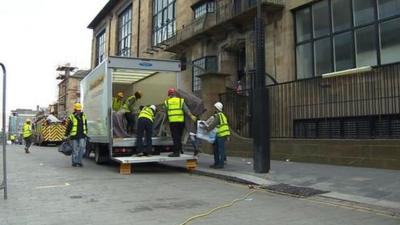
(190, 219)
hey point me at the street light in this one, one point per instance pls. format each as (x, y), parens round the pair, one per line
(3, 184)
(261, 134)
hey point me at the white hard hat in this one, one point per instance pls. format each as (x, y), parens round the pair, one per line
(153, 107)
(219, 106)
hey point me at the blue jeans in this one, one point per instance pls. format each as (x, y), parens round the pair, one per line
(78, 146)
(219, 151)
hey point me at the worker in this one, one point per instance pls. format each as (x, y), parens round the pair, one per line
(27, 134)
(175, 109)
(12, 138)
(77, 133)
(117, 101)
(128, 106)
(220, 121)
(145, 124)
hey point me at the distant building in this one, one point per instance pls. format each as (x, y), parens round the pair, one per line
(68, 89)
(17, 119)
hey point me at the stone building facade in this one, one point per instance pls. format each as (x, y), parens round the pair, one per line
(68, 90)
(304, 39)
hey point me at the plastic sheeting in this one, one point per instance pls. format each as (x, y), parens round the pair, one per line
(65, 148)
(119, 124)
(203, 134)
(196, 107)
(52, 119)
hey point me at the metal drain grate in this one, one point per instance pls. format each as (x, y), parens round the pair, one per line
(293, 190)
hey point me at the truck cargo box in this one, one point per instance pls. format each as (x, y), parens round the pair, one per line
(152, 77)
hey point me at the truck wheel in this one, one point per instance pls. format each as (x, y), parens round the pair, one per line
(101, 155)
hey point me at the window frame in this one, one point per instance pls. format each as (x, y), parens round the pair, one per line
(353, 28)
(210, 7)
(196, 82)
(100, 38)
(167, 22)
(124, 43)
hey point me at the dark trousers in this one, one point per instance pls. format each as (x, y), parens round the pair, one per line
(28, 142)
(176, 133)
(144, 125)
(219, 151)
(130, 119)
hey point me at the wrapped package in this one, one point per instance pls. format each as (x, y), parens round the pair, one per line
(203, 134)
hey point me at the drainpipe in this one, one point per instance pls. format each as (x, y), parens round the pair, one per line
(138, 33)
(109, 37)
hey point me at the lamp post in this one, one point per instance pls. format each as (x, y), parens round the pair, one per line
(3, 184)
(261, 134)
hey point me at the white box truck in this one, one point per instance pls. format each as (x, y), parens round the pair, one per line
(152, 77)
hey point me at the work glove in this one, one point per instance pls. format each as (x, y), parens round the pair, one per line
(194, 118)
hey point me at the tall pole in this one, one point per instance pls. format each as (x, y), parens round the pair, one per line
(3, 185)
(261, 136)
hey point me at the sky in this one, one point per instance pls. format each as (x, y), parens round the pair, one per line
(35, 37)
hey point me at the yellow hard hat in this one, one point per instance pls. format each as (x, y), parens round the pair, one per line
(120, 94)
(77, 106)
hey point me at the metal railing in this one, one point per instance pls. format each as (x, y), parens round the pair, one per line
(365, 105)
(224, 11)
(3, 184)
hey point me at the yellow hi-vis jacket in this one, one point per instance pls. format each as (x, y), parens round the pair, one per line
(74, 122)
(128, 104)
(116, 104)
(222, 127)
(26, 130)
(147, 112)
(175, 112)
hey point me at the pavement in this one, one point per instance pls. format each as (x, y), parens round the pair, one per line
(376, 187)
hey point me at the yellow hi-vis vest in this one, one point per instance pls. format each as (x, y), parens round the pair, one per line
(26, 130)
(128, 104)
(147, 112)
(74, 121)
(175, 109)
(222, 127)
(116, 104)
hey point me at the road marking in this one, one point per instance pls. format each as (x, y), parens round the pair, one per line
(53, 186)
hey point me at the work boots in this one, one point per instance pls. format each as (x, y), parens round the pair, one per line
(175, 154)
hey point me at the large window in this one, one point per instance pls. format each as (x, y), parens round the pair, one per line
(200, 66)
(100, 47)
(204, 7)
(334, 35)
(164, 23)
(125, 32)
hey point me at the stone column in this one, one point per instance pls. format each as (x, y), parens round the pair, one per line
(212, 84)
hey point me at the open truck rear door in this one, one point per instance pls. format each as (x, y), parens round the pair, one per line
(152, 77)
